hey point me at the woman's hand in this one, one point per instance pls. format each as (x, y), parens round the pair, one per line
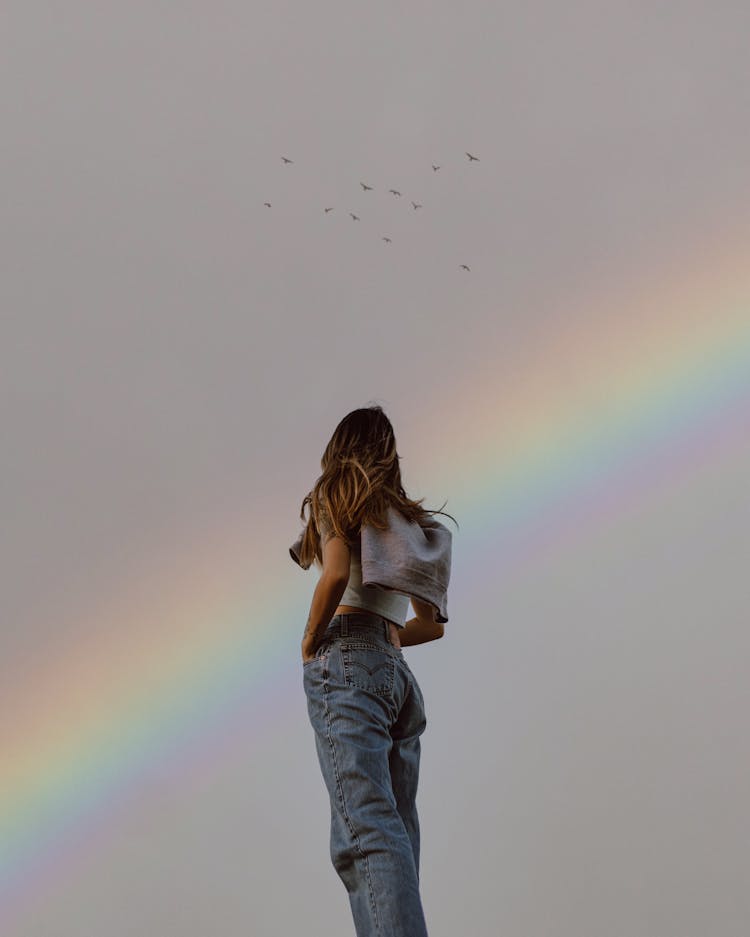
(422, 627)
(327, 595)
(310, 644)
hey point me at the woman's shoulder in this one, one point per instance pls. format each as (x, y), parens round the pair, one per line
(326, 530)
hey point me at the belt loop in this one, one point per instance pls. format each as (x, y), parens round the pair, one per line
(386, 630)
(344, 625)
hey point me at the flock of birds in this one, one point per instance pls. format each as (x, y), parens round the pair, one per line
(394, 192)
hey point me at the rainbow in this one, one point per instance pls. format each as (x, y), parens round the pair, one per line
(625, 395)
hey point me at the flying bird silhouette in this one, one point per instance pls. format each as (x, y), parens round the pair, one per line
(388, 240)
(287, 160)
(326, 210)
(355, 217)
(367, 188)
(472, 157)
(267, 204)
(464, 267)
(394, 191)
(416, 205)
(435, 168)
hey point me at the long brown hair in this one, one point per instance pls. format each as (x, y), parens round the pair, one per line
(360, 479)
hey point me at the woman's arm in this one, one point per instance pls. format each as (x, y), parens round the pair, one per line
(422, 627)
(326, 597)
(331, 586)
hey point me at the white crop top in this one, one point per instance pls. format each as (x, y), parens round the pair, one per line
(386, 602)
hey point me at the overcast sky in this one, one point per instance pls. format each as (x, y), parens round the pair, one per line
(175, 355)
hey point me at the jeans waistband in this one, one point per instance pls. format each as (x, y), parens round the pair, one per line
(346, 622)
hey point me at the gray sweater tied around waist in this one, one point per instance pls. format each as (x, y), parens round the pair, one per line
(410, 557)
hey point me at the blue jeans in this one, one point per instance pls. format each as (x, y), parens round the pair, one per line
(368, 713)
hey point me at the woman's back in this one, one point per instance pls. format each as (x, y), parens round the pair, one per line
(392, 605)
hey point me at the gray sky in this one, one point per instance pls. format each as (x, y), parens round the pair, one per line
(175, 356)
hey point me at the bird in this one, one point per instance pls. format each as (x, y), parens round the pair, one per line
(326, 210)
(267, 204)
(463, 267)
(287, 160)
(435, 168)
(388, 240)
(472, 157)
(367, 188)
(416, 205)
(355, 217)
(394, 191)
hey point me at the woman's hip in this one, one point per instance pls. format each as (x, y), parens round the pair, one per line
(355, 654)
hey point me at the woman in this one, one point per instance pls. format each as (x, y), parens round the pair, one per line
(364, 703)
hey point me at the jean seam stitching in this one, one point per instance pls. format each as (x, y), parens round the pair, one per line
(340, 789)
(384, 690)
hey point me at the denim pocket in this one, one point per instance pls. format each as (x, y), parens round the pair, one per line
(320, 652)
(368, 667)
